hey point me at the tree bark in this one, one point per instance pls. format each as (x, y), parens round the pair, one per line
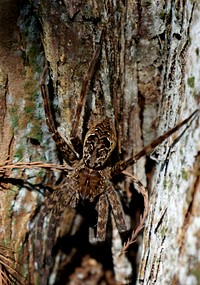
(147, 80)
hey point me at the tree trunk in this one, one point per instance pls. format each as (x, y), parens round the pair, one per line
(147, 81)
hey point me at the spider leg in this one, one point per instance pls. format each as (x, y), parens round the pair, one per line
(48, 222)
(103, 209)
(84, 89)
(67, 151)
(142, 190)
(122, 165)
(117, 209)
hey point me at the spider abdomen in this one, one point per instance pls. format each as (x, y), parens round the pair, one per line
(99, 143)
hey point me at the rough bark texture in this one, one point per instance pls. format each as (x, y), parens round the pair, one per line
(148, 80)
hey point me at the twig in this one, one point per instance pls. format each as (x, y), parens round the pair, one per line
(7, 271)
(144, 193)
(7, 165)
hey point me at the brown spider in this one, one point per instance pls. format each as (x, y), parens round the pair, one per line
(91, 177)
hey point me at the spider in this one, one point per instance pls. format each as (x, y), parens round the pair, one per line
(91, 177)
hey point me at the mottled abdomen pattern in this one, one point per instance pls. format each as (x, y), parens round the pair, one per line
(99, 143)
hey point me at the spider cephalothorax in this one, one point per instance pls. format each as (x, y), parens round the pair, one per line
(94, 185)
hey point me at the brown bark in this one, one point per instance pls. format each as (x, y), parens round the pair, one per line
(147, 80)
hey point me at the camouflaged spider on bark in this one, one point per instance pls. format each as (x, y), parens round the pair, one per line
(90, 178)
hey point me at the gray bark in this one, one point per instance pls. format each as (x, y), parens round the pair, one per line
(147, 79)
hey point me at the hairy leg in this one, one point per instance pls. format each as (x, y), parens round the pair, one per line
(48, 223)
(142, 190)
(84, 89)
(68, 153)
(103, 208)
(122, 165)
(117, 208)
